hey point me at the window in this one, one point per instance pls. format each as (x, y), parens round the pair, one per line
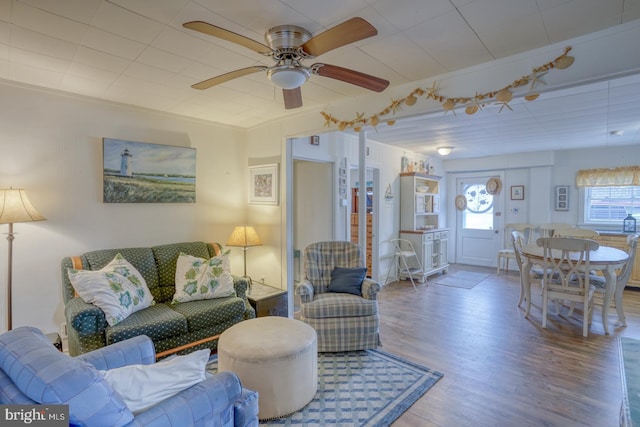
(479, 212)
(610, 205)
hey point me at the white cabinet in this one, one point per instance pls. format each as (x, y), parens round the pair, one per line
(444, 242)
(419, 209)
(419, 201)
(427, 257)
(431, 249)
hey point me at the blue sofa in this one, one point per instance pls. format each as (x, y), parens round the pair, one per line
(33, 371)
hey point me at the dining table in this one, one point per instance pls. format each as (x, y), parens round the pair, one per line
(605, 259)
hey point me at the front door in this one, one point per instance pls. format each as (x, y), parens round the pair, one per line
(478, 225)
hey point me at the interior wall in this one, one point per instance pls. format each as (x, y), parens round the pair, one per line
(539, 173)
(313, 203)
(52, 147)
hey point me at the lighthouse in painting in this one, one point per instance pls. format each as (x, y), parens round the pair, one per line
(125, 163)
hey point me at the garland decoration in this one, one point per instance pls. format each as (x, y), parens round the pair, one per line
(472, 104)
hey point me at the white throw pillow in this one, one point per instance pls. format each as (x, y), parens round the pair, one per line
(199, 278)
(142, 386)
(118, 289)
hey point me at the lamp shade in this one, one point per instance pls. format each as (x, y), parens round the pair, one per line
(16, 207)
(244, 235)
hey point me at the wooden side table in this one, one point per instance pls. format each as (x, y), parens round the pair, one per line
(267, 300)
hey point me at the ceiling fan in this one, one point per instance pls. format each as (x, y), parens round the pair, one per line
(289, 45)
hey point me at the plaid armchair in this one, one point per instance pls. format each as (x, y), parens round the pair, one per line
(343, 321)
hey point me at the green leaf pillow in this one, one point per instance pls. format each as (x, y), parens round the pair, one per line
(118, 289)
(199, 278)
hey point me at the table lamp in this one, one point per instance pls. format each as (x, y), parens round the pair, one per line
(244, 236)
(15, 207)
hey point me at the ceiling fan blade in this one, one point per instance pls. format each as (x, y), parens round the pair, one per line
(348, 32)
(227, 35)
(292, 98)
(351, 76)
(206, 84)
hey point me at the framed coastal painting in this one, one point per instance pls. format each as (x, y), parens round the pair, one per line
(137, 172)
(263, 184)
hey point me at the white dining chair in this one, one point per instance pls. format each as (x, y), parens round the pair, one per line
(508, 253)
(565, 261)
(580, 233)
(548, 229)
(535, 274)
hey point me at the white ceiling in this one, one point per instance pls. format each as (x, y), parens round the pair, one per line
(137, 52)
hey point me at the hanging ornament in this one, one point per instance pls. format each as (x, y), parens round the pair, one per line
(502, 96)
(537, 79)
(396, 105)
(564, 62)
(471, 109)
(449, 104)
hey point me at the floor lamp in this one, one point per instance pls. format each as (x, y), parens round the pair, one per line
(14, 207)
(244, 236)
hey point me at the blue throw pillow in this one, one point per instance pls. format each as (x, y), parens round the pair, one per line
(347, 280)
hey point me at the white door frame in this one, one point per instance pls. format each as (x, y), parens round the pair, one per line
(495, 235)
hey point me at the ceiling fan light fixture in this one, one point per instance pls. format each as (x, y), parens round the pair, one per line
(445, 150)
(289, 77)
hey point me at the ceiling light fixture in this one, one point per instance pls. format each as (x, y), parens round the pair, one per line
(445, 151)
(288, 77)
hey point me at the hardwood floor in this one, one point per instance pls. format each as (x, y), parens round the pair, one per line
(501, 369)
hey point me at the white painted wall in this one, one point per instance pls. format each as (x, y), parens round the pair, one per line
(51, 146)
(540, 173)
(313, 186)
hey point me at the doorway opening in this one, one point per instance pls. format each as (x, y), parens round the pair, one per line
(371, 215)
(478, 220)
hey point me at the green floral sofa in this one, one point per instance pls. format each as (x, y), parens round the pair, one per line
(169, 325)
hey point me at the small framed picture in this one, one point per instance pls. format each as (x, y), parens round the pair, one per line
(561, 198)
(517, 192)
(263, 184)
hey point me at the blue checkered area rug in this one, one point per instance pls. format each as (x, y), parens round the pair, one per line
(359, 388)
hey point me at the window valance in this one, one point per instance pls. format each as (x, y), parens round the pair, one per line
(622, 176)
